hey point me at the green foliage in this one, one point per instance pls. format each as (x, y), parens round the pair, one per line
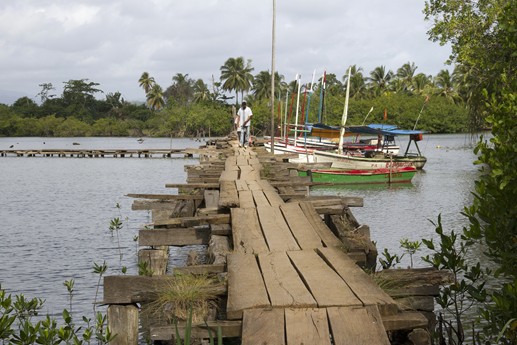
(388, 260)
(17, 327)
(467, 288)
(410, 247)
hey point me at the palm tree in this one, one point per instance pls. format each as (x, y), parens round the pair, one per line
(146, 82)
(422, 83)
(380, 79)
(155, 99)
(445, 86)
(357, 83)
(406, 74)
(181, 90)
(236, 75)
(201, 91)
(262, 85)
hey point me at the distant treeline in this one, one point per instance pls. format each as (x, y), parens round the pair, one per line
(190, 108)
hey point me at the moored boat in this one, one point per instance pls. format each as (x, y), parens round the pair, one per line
(377, 176)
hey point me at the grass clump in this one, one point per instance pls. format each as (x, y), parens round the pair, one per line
(183, 293)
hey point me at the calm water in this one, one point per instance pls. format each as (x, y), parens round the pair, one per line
(55, 212)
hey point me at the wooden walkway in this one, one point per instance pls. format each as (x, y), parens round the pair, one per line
(289, 279)
(99, 153)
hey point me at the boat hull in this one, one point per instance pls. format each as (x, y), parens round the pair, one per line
(365, 163)
(379, 176)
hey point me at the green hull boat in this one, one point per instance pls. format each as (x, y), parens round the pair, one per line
(340, 176)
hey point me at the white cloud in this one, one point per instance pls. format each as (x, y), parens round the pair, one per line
(113, 42)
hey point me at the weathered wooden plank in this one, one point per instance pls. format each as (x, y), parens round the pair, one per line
(167, 196)
(214, 179)
(248, 173)
(327, 288)
(229, 175)
(273, 197)
(241, 185)
(127, 289)
(405, 320)
(283, 284)
(357, 326)
(193, 221)
(301, 228)
(277, 233)
(201, 269)
(139, 205)
(247, 234)
(246, 199)
(322, 201)
(246, 288)
(228, 196)
(363, 286)
(211, 198)
(230, 163)
(259, 198)
(263, 326)
(221, 229)
(326, 235)
(229, 329)
(173, 237)
(193, 185)
(307, 326)
(254, 185)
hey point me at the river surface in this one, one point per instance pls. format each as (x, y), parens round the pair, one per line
(55, 212)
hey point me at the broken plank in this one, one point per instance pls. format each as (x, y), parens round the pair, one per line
(193, 221)
(246, 288)
(283, 284)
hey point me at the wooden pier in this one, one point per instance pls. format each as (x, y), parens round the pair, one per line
(100, 153)
(292, 263)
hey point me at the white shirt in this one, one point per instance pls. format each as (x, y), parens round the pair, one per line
(244, 114)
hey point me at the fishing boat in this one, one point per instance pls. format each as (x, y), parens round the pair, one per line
(377, 176)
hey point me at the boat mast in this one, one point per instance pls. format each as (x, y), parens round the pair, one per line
(299, 77)
(345, 114)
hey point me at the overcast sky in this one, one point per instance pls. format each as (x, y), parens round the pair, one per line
(111, 42)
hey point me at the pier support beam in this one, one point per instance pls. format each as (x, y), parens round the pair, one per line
(123, 321)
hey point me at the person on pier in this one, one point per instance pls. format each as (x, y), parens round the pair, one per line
(244, 118)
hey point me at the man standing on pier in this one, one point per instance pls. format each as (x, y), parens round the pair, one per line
(244, 117)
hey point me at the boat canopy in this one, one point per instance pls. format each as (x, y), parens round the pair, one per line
(372, 129)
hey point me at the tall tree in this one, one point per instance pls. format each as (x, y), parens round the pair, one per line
(445, 86)
(155, 99)
(146, 82)
(483, 37)
(357, 82)
(181, 90)
(379, 79)
(262, 85)
(236, 76)
(406, 74)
